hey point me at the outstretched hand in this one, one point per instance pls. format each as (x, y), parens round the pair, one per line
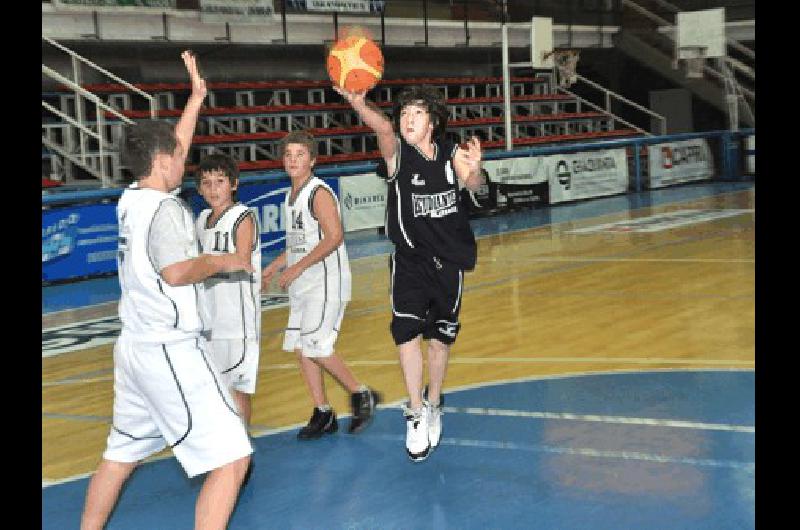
(198, 83)
(472, 155)
(351, 97)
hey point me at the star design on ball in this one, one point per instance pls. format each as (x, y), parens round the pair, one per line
(350, 59)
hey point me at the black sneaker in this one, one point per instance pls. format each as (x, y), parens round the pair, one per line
(363, 406)
(319, 424)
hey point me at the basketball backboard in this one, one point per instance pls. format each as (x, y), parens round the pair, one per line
(698, 30)
(541, 42)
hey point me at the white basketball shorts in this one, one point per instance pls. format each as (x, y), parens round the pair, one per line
(237, 360)
(313, 326)
(171, 394)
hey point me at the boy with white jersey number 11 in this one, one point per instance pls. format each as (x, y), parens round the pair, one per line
(231, 299)
(317, 275)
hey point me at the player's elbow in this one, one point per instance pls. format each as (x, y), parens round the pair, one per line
(337, 238)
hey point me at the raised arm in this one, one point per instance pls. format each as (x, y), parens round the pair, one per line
(184, 130)
(376, 120)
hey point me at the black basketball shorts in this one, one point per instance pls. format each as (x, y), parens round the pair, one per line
(426, 298)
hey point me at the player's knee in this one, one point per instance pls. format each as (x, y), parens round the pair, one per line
(437, 347)
(404, 329)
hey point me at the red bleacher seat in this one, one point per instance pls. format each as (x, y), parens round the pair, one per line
(116, 88)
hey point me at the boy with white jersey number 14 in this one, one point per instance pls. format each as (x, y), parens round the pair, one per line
(231, 299)
(317, 275)
(434, 243)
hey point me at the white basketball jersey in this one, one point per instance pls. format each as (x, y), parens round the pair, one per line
(150, 309)
(232, 299)
(328, 279)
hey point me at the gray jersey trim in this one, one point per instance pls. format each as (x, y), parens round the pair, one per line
(183, 398)
(216, 382)
(241, 359)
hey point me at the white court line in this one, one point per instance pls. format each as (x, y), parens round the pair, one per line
(624, 420)
(524, 360)
(482, 360)
(586, 451)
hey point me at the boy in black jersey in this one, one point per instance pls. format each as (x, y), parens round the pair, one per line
(433, 240)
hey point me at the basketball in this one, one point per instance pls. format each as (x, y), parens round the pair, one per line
(355, 63)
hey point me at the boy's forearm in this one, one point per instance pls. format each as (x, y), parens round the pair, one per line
(321, 251)
(184, 130)
(474, 180)
(373, 118)
(193, 270)
(279, 262)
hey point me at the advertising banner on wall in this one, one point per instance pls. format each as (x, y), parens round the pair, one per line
(340, 6)
(521, 171)
(239, 11)
(513, 182)
(676, 162)
(82, 240)
(588, 174)
(363, 201)
(79, 241)
(113, 4)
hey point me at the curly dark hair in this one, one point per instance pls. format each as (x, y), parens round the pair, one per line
(430, 99)
(218, 162)
(143, 141)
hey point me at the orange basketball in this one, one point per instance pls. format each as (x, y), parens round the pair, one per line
(355, 63)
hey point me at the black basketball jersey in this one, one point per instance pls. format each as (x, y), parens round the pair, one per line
(424, 213)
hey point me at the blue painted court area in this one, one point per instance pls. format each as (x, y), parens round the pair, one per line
(368, 242)
(655, 450)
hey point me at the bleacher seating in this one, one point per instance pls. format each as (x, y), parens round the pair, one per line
(247, 119)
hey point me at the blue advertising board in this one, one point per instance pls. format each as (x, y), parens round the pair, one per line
(80, 241)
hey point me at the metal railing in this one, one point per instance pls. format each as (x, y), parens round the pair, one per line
(79, 153)
(67, 148)
(730, 148)
(611, 94)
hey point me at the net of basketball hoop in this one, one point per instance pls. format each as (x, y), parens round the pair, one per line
(565, 62)
(694, 57)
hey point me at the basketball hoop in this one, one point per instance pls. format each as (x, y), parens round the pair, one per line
(565, 62)
(695, 59)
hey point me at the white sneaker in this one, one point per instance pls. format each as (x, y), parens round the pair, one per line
(417, 444)
(434, 424)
